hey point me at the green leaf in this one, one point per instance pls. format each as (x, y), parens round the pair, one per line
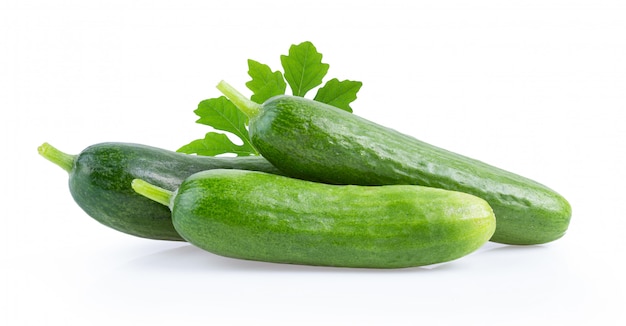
(303, 71)
(339, 93)
(222, 114)
(216, 144)
(303, 68)
(264, 83)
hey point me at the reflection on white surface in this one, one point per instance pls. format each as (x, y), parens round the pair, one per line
(132, 279)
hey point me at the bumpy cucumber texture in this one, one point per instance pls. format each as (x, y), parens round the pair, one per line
(100, 182)
(260, 216)
(314, 141)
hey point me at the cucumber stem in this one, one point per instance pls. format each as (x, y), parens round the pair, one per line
(49, 152)
(150, 191)
(249, 108)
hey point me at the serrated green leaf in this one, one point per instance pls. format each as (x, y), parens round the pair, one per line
(303, 71)
(303, 68)
(339, 93)
(215, 144)
(264, 83)
(222, 114)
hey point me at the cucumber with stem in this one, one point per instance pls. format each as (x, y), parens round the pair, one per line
(266, 217)
(100, 182)
(315, 141)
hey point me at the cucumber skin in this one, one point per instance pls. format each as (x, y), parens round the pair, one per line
(259, 216)
(100, 183)
(314, 141)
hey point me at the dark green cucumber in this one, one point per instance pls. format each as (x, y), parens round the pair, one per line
(100, 178)
(311, 140)
(266, 217)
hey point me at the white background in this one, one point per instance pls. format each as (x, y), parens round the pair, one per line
(535, 87)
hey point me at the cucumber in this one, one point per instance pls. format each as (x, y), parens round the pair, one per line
(314, 141)
(100, 178)
(259, 216)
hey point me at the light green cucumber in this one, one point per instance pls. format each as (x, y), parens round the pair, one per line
(266, 217)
